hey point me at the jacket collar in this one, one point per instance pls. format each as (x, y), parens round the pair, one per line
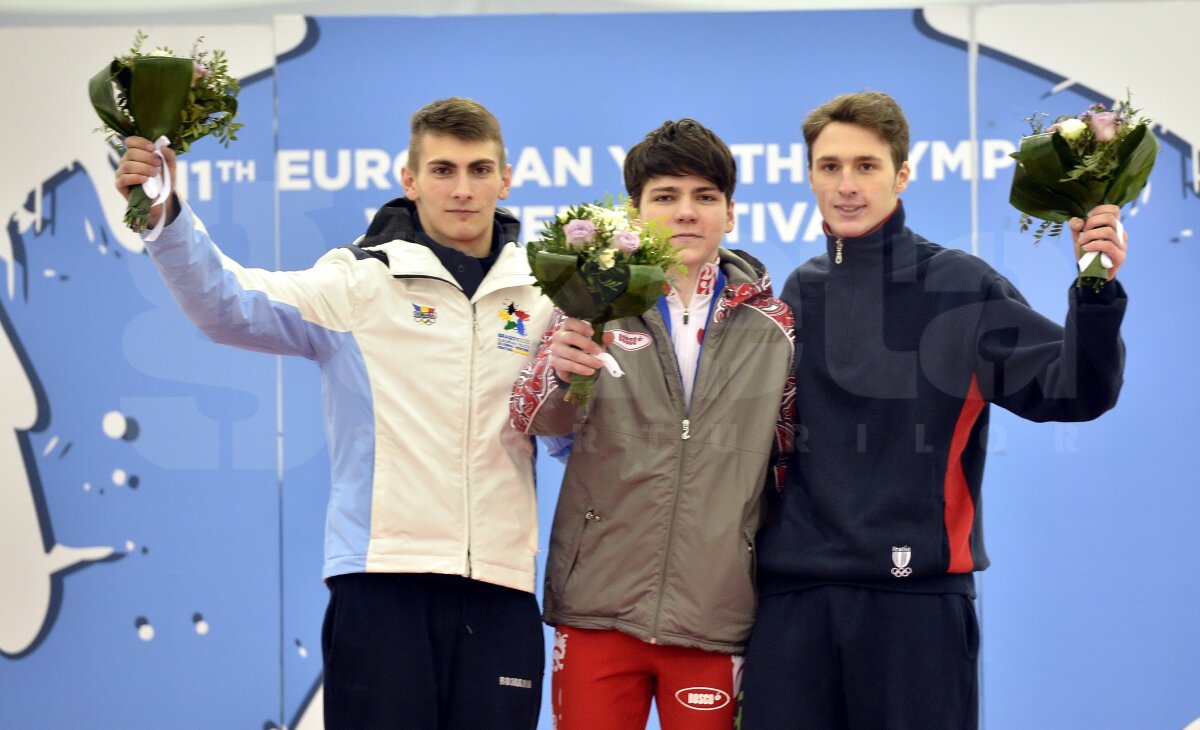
(394, 231)
(869, 249)
(740, 268)
(746, 278)
(407, 259)
(397, 221)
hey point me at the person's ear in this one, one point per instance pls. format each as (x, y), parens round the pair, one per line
(505, 182)
(902, 177)
(408, 181)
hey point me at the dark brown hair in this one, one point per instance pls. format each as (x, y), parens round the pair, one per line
(685, 147)
(873, 110)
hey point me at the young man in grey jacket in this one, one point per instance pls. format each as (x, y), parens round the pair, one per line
(650, 575)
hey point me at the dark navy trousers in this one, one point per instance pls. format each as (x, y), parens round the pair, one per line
(430, 652)
(839, 657)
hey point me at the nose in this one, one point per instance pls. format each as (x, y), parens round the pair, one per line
(685, 211)
(462, 187)
(847, 185)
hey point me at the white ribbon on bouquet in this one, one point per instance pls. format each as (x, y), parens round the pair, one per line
(610, 364)
(158, 188)
(1087, 259)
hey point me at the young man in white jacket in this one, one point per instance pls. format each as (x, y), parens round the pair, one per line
(419, 329)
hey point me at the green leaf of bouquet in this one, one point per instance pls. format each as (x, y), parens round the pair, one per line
(158, 93)
(581, 388)
(137, 209)
(1086, 192)
(1137, 154)
(1094, 270)
(1048, 160)
(644, 287)
(596, 295)
(1038, 201)
(558, 274)
(100, 90)
(1037, 155)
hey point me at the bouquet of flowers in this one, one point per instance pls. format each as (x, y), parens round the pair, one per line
(598, 263)
(1063, 171)
(169, 100)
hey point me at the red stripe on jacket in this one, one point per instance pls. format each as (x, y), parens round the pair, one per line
(960, 506)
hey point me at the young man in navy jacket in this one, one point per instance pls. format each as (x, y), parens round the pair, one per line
(866, 580)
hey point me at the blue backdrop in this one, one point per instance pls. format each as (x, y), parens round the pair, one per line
(213, 488)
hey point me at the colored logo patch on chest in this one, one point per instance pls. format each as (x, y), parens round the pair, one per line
(512, 337)
(514, 318)
(630, 341)
(424, 315)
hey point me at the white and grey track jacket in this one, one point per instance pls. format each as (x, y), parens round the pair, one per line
(427, 474)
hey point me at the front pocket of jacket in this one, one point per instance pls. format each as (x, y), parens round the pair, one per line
(564, 554)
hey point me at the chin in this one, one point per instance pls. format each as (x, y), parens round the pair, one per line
(858, 228)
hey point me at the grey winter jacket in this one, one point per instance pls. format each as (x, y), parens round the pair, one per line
(656, 519)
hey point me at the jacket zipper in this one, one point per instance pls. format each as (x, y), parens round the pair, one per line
(837, 259)
(466, 445)
(662, 578)
(685, 434)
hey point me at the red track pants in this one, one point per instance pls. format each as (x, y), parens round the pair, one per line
(604, 680)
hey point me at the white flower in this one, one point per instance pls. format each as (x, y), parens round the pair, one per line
(607, 218)
(161, 53)
(606, 259)
(1070, 129)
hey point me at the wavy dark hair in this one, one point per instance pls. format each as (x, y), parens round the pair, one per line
(685, 147)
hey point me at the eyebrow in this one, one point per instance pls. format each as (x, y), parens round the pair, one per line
(859, 158)
(676, 189)
(451, 163)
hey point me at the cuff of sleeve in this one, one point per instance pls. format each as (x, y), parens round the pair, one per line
(562, 384)
(1108, 294)
(172, 231)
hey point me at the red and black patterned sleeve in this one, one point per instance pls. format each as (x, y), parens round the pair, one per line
(536, 387)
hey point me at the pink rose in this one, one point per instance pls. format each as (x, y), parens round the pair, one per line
(579, 231)
(1104, 126)
(627, 241)
(199, 71)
